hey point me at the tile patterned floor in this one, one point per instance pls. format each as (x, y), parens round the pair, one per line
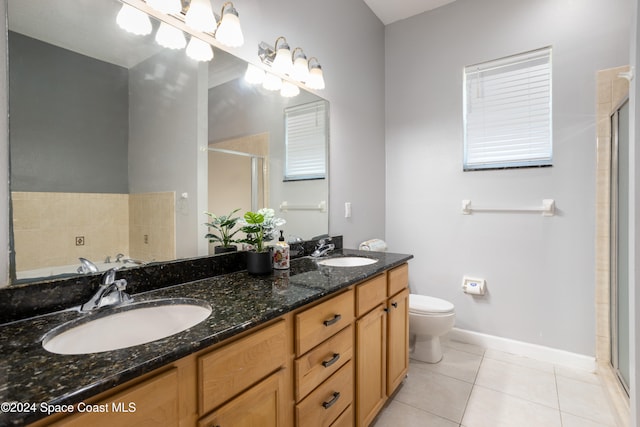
(476, 387)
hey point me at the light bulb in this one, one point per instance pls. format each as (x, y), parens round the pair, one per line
(282, 62)
(199, 50)
(272, 82)
(229, 32)
(133, 20)
(316, 79)
(300, 69)
(166, 6)
(170, 37)
(254, 75)
(289, 90)
(200, 16)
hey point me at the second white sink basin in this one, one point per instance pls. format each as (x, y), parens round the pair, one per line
(127, 326)
(347, 261)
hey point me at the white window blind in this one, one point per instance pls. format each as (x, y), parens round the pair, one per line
(507, 112)
(306, 141)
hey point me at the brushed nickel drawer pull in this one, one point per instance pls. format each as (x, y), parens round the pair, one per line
(330, 322)
(334, 399)
(394, 304)
(334, 359)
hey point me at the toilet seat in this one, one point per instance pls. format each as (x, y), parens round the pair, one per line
(423, 304)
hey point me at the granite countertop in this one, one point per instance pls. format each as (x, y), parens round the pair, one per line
(240, 301)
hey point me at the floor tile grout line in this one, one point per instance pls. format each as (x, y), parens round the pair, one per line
(555, 380)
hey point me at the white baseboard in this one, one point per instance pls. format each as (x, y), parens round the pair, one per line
(520, 348)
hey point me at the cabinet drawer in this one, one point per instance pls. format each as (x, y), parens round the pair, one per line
(345, 419)
(322, 321)
(323, 406)
(371, 293)
(225, 372)
(320, 363)
(152, 402)
(398, 279)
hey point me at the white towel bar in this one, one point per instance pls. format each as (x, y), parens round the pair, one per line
(548, 208)
(285, 206)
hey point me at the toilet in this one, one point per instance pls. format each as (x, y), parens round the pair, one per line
(429, 319)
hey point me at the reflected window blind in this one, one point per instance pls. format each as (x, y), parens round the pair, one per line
(507, 112)
(306, 141)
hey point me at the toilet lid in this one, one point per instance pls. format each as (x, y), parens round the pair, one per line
(426, 304)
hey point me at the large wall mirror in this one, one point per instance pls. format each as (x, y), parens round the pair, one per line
(119, 145)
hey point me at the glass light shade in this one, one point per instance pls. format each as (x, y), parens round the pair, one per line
(229, 32)
(316, 79)
(170, 37)
(199, 50)
(300, 69)
(282, 62)
(289, 90)
(272, 82)
(133, 20)
(254, 75)
(166, 6)
(200, 16)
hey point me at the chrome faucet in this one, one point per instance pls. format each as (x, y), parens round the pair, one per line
(119, 257)
(87, 267)
(110, 293)
(133, 261)
(323, 248)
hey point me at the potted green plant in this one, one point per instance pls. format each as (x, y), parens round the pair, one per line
(260, 227)
(224, 225)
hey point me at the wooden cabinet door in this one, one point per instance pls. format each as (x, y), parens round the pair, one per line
(371, 348)
(153, 402)
(397, 340)
(261, 405)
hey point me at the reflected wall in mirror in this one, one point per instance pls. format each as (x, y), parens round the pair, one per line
(109, 136)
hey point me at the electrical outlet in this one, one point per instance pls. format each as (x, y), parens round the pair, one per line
(79, 240)
(146, 239)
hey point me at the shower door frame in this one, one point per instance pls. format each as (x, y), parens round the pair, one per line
(614, 241)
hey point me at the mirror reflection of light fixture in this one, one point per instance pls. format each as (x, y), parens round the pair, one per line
(199, 50)
(133, 20)
(200, 16)
(272, 82)
(170, 37)
(282, 62)
(316, 79)
(166, 6)
(300, 70)
(254, 75)
(289, 90)
(229, 32)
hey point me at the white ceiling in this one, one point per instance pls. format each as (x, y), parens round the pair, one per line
(394, 10)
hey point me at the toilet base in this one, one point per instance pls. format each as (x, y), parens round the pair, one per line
(426, 349)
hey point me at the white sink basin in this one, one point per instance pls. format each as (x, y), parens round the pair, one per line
(347, 261)
(126, 326)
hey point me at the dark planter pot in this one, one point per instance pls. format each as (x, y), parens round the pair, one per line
(259, 262)
(224, 249)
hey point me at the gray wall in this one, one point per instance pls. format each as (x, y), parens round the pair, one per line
(539, 271)
(348, 39)
(69, 120)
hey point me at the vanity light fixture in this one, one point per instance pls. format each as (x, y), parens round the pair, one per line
(272, 82)
(200, 16)
(282, 62)
(166, 6)
(289, 90)
(300, 65)
(170, 37)
(199, 50)
(254, 75)
(229, 32)
(294, 65)
(316, 78)
(133, 20)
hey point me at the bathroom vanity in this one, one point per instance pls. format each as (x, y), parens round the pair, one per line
(327, 350)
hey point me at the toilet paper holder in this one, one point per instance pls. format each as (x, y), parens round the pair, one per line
(473, 286)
